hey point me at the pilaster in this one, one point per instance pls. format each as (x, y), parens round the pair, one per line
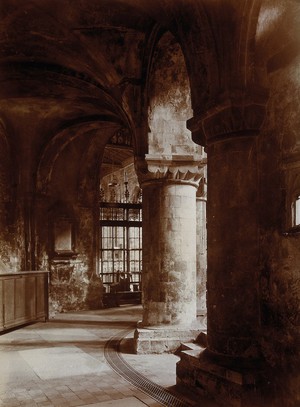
(239, 115)
(201, 246)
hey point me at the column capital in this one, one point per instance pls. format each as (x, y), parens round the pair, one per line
(202, 190)
(180, 169)
(233, 117)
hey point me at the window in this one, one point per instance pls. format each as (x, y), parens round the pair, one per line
(296, 211)
(121, 244)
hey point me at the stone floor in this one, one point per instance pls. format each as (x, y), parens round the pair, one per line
(61, 363)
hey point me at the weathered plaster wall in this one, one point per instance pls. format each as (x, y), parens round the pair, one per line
(73, 281)
(11, 215)
(280, 259)
(6, 236)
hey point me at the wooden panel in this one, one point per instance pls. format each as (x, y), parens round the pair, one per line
(30, 298)
(9, 302)
(19, 300)
(23, 298)
(41, 296)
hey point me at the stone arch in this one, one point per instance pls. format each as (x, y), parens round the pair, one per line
(59, 142)
(235, 94)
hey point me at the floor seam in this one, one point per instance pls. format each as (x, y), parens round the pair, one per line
(119, 365)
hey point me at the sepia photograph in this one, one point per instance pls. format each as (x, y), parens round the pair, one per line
(150, 203)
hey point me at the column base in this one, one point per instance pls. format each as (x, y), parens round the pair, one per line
(162, 339)
(229, 387)
(259, 386)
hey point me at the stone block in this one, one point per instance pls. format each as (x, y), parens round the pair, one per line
(202, 376)
(162, 340)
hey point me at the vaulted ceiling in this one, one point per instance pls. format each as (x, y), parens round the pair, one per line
(69, 71)
(65, 62)
(77, 68)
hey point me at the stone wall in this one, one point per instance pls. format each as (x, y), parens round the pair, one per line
(279, 186)
(74, 284)
(280, 258)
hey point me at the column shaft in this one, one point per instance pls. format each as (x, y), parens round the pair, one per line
(169, 253)
(233, 247)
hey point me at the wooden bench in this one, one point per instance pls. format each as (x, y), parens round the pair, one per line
(122, 297)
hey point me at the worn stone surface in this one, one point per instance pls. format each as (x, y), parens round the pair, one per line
(169, 253)
(169, 101)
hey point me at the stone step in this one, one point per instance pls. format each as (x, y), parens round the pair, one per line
(202, 339)
(195, 362)
(190, 346)
(161, 340)
(180, 333)
(192, 355)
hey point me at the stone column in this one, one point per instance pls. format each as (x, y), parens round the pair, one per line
(233, 251)
(233, 314)
(233, 229)
(169, 256)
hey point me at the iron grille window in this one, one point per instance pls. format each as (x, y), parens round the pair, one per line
(121, 245)
(296, 211)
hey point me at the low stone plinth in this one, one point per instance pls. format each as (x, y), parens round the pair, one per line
(229, 387)
(162, 339)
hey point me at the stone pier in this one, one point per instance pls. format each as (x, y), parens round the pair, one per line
(169, 259)
(224, 368)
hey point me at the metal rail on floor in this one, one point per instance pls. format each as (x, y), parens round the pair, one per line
(119, 365)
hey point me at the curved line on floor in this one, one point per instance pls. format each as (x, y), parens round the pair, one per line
(119, 365)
